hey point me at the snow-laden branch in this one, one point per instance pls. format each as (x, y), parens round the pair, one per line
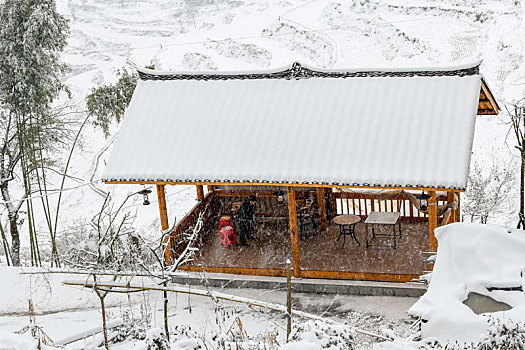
(120, 287)
(189, 251)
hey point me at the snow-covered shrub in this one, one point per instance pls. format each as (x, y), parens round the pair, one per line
(132, 327)
(250, 53)
(198, 61)
(326, 335)
(156, 340)
(502, 335)
(489, 190)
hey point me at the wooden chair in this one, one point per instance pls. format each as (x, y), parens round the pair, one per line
(306, 216)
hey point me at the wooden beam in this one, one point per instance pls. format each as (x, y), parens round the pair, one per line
(359, 276)
(458, 209)
(294, 235)
(277, 184)
(322, 208)
(236, 270)
(432, 220)
(210, 188)
(200, 193)
(450, 199)
(340, 275)
(488, 94)
(164, 225)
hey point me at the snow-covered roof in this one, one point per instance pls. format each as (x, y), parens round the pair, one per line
(385, 128)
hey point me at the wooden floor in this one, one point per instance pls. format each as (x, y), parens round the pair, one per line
(319, 251)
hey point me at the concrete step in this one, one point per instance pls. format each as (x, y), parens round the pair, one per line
(301, 285)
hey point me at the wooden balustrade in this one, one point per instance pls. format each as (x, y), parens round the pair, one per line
(219, 203)
(268, 204)
(211, 207)
(362, 204)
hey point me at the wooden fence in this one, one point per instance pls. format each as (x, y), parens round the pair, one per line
(219, 202)
(268, 204)
(210, 206)
(362, 204)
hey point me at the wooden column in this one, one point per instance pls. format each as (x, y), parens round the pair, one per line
(458, 209)
(432, 220)
(294, 236)
(322, 207)
(450, 199)
(200, 193)
(164, 225)
(210, 188)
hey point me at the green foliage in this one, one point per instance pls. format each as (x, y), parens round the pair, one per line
(108, 103)
(32, 35)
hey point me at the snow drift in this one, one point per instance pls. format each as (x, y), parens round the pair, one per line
(472, 258)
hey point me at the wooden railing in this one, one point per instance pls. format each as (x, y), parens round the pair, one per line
(219, 203)
(268, 204)
(210, 206)
(362, 204)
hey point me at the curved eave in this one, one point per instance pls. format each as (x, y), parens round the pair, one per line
(300, 71)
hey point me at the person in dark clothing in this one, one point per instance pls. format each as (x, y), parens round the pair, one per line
(245, 218)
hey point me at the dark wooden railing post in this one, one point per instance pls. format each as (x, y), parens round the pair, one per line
(322, 208)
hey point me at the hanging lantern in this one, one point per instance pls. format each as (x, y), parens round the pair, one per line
(280, 196)
(145, 193)
(423, 201)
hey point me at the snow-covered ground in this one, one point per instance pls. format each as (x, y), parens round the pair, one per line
(247, 35)
(63, 311)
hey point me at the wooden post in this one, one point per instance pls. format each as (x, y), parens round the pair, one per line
(288, 299)
(432, 220)
(458, 209)
(210, 188)
(200, 193)
(294, 237)
(164, 225)
(322, 208)
(332, 203)
(450, 199)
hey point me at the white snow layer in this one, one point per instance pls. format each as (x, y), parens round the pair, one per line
(386, 131)
(472, 258)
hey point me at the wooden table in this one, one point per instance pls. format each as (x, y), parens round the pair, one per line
(377, 218)
(346, 225)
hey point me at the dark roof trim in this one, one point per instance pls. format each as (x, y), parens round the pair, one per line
(297, 71)
(284, 182)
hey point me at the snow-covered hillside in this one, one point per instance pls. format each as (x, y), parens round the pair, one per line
(253, 34)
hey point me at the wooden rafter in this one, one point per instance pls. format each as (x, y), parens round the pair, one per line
(487, 104)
